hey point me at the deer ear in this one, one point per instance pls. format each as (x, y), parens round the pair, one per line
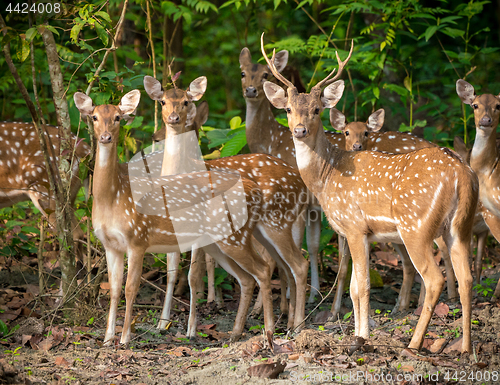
(332, 94)
(376, 120)
(191, 114)
(153, 88)
(245, 57)
(337, 119)
(197, 88)
(158, 136)
(460, 147)
(201, 114)
(84, 103)
(280, 60)
(465, 91)
(128, 104)
(275, 94)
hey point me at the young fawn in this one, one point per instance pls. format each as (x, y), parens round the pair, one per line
(408, 199)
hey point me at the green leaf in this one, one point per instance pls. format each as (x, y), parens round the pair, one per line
(30, 229)
(103, 15)
(12, 223)
(276, 4)
(217, 137)
(31, 33)
(4, 329)
(430, 31)
(452, 32)
(382, 46)
(376, 92)
(235, 122)
(24, 50)
(407, 83)
(101, 32)
(76, 29)
(235, 144)
(226, 286)
(169, 8)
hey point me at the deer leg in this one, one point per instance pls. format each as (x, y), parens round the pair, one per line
(210, 262)
(247, 267)
(257, 308)
(450, 274)
(403, 301)
(460, 254)
(478, 262)
(422, 257)
(278, 244)
(283, 288)
(135, 258)
(194, 277)
(173, 260)
(313, 237)
(360, 283)
(114, 260)
(344, 257)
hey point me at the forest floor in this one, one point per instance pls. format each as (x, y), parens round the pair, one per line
(48, 349)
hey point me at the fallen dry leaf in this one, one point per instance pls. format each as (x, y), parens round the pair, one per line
(271, 370)
(61, 361)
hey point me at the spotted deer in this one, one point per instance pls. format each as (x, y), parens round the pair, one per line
(213, 294)
(124, 230)
(362, 136)
(485, 154)
(266, 136)
(281, 222)
(408, 199)
(23, 175)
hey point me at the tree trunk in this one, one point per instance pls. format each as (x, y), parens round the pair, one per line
(64, 210)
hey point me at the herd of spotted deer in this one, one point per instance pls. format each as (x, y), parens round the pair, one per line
(402, 189)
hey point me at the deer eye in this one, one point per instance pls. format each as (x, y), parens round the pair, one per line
(366, 133)
(346, 133)
(475, 106)
(117, 118)
(288, 110)
(266, 75)
(498, 107)
(243, 74)
(94, 117)
(316, 111)
(186, 102)
(162, 102)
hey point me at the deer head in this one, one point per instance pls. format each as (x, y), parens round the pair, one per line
(304, 110)
(178, 109)
(486, 107)
(356, 133)
(107, 117)
(254, 75)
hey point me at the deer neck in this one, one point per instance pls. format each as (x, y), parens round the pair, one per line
(181, 154)
(106, 179)
(484, 152)
(260, 125)
(316, 161)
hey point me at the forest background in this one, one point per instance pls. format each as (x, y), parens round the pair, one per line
(407, 57)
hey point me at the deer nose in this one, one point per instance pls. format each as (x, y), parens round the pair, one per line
(300, 131)
(105, 138)
(251, 92)
(485, 121)
(173, 118)
(357, 147)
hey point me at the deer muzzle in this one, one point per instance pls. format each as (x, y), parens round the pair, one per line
(173, 118)
(485, 121)
(357, 147)
(105, 138)
(251, 92)
(300, 131)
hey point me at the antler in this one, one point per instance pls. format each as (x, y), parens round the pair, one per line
(342, 64)
(270, 63)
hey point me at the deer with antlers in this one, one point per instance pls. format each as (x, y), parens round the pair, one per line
(275, 179)
(485, 154)
(408, 198)
(266, 136)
